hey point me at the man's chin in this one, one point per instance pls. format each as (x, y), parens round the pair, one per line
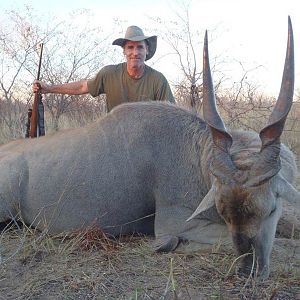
(136, 66)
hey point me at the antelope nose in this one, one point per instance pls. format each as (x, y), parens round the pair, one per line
(242, 242)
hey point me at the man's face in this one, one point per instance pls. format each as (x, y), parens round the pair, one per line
(135, 53)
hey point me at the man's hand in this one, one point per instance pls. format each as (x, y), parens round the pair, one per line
(39, 86)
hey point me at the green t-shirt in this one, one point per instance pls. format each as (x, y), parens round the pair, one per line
(119, 87)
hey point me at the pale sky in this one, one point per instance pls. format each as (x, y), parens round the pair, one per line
(253, 32)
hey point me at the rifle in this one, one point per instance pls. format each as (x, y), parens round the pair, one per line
(36, 114)
(29, 114)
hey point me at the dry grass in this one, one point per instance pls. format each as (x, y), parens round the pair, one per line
(89, 265)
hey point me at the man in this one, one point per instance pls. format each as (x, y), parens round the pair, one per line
(130, 81)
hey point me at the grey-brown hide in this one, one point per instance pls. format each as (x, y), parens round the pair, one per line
(141, 159)
(144, 167)
(252, 175)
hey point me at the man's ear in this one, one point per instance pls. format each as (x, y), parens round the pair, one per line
(147, 47)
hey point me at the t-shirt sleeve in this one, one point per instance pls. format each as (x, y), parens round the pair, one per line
(164, 92)
(96, 84)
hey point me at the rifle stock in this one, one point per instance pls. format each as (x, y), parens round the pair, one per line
(29, 114)
(37, 99)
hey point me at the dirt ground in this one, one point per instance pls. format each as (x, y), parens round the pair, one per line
(88, 265)
(85, 267)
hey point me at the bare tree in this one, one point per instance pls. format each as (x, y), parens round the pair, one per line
(16, 50)
(83, 111)
(72, 55)
(186, 45)
(71, 52)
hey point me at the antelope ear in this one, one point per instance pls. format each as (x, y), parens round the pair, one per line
(288, 192)
(207, 203)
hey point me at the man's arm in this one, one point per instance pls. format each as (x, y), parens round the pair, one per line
(71, 88)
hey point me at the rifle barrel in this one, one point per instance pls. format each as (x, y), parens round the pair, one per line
(34, 115)
(40, 61)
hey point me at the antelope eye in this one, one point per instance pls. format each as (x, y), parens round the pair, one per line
(272, 211)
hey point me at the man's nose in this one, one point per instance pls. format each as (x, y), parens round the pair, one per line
(135, 51)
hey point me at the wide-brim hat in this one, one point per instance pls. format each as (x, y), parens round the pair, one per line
(136, 34)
